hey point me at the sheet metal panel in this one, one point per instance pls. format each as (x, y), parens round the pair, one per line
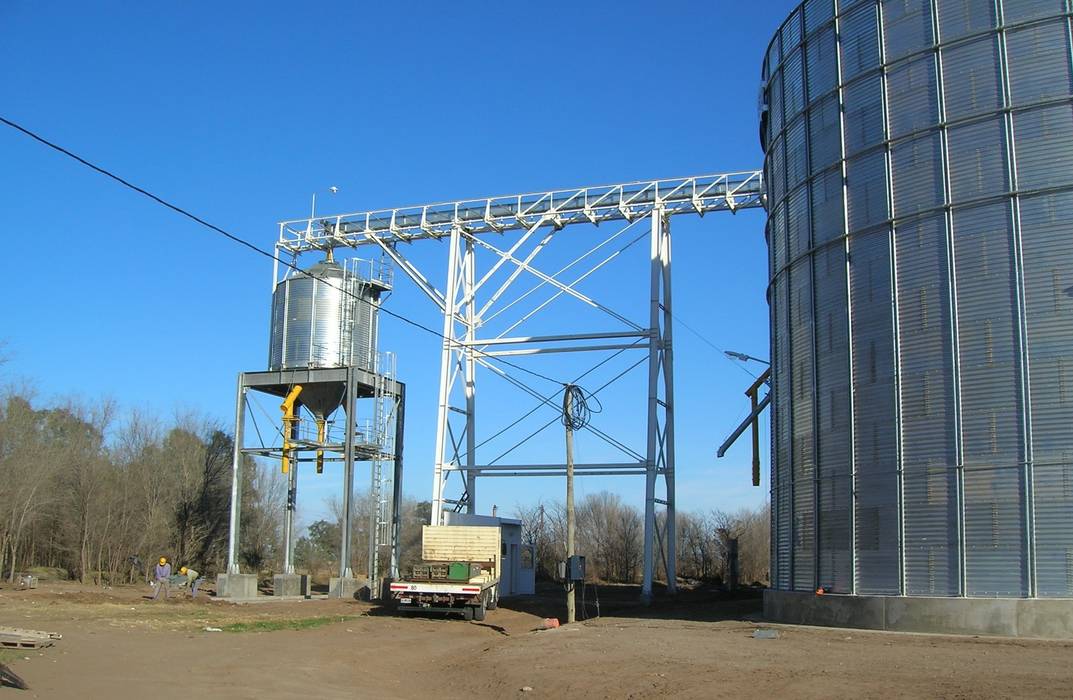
(929, 446)
(987, 336)
(832, 363)
(821, 55)
(995, 556)
(798, 222)
(906, 27)
(1047, 249)
(793, 85)
(1014, 11)
(1043, 139)
(782, 430)
(832, 420)
(912, 96)
(978, 160)
(825, 133)
(1039, 64)
(1046, 230)
(917, 167)
(802, 388)
(791, 32)
(866, 176)
(835, 500)
(864, 113)
(778, 237)
(932, 548)
(964, 17)
(860, 41)
(875, 422)
(777, 181)
(817, 14)
(926, 345)
(796, 153)
(972, 81)
(1054, 528)
(774, 96)
(828, 211)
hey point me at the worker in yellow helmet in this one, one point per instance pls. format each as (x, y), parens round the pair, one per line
(162, 573)
(193, 579)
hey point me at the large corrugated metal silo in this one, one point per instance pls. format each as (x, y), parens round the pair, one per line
(919, 163)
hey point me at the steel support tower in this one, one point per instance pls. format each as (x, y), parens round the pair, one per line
(474, 295)
(379, 442)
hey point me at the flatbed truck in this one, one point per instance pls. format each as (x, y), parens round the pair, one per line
(459, 573)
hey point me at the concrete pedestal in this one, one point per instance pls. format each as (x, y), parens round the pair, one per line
(347, 588)
(290, 585)
(236, 586)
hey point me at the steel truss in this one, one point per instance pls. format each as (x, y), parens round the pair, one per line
(470, 301)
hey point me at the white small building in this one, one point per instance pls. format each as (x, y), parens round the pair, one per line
(518, 560)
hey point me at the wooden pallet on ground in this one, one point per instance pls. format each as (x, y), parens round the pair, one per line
(16, 638)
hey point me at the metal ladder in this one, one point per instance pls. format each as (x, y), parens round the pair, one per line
(381, 480)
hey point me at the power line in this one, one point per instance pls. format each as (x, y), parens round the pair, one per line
(720, 350)
(261, 251)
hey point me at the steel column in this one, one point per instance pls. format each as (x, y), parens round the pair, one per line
(656, 276)
(670, 532)
(443, 414)
(236, 479)
(288, 513)
(396, 496)
(468, 293)
(345, 569)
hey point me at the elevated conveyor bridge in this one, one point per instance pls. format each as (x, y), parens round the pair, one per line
(470, 298)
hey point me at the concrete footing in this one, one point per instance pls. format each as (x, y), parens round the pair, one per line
(290, 585)
(347, 588)
(1010, 617)
(236, 586)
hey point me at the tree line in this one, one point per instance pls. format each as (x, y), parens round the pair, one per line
(100, 497)
(610, 533)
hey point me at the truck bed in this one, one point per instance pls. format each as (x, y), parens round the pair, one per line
(472, 587)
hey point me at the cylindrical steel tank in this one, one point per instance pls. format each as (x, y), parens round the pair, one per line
(325, 316)
(919, 169)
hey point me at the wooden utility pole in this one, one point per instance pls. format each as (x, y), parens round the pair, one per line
(569, 423)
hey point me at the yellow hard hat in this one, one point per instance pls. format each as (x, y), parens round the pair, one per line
(182, 570)
(163, 560)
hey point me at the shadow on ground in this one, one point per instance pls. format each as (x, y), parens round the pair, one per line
(700, 603)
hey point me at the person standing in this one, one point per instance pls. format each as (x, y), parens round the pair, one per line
(193, 579)
(162, 573)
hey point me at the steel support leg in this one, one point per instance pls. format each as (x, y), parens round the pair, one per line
(396, 496)
(443, 414)
(345, 570)
(656, 275)
(471, 377)
(288, 518)
(236, 480)
(670, 531)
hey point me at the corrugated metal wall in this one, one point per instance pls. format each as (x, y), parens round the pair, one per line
(919, 164)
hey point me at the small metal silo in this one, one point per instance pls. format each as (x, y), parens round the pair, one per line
(326, 316)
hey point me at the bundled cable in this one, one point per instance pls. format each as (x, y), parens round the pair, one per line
(578, 407)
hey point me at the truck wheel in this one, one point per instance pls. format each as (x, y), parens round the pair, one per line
(478, 611)
(467, 613)
(493, 601)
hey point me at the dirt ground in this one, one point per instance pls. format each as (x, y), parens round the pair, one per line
(117, 644)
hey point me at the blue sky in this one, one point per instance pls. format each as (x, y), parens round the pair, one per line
(239, 111)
